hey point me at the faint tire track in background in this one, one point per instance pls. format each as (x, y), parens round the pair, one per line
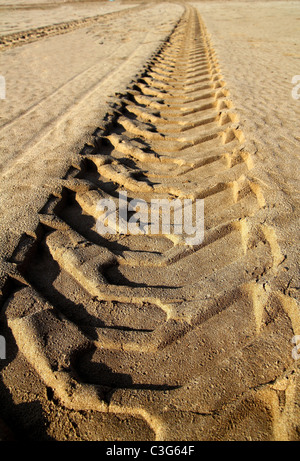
(32, 35)
(189, 340)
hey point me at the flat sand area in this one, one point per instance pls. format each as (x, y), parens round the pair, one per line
(142, 337)
(22, 19)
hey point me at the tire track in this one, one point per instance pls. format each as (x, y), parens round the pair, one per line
(187, 338)
(74, 87)
(32, 35)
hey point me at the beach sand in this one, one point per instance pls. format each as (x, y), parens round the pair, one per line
(141, 337)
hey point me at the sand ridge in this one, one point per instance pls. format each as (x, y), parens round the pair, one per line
(121, 338)
(53, 25)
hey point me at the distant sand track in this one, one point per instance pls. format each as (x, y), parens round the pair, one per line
(187, 342)
(32, 35)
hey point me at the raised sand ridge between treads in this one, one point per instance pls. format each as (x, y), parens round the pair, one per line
(185, 343)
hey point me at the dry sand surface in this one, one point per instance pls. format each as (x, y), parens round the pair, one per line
(143, 337)
(22, 19)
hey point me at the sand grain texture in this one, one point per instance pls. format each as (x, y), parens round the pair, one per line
(141, 337)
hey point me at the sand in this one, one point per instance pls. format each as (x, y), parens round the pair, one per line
(142, 337)
(22, 19)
